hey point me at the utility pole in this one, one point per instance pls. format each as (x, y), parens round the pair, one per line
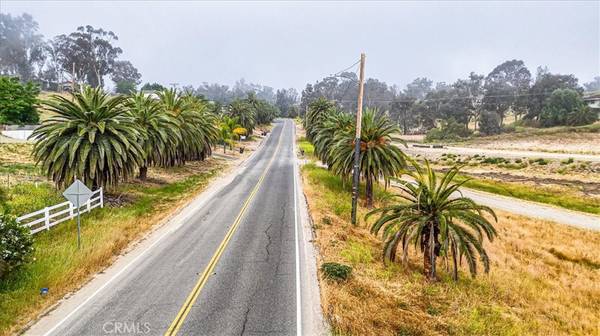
(356, 176)
(73, 79)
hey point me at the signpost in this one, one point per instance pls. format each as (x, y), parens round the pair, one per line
(77, 193)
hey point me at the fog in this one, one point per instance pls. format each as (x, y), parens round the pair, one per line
(287, 44)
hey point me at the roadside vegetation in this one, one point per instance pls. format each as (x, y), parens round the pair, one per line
(546, 286)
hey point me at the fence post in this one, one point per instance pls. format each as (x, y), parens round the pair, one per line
(101, 197)
(70, 210)
(47, 218)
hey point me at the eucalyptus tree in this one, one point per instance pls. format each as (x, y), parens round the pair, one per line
(429, 217)
(379, 157)
(91, 136)
(161, 135)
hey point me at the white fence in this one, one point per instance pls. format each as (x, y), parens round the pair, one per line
(49, 216)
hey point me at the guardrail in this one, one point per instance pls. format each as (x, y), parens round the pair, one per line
(49, 216)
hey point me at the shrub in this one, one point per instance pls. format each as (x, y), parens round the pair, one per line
(335, 271)
(495, 160)
(566, 107)
(567, 161)
(16, 244)
(539, 161)
(489, 123)
(449, 130)
(17, 102)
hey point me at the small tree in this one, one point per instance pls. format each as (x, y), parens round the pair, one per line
(16, 244)
(489, 123)
(18, 102)
(434, 220)
(125, 87)
(566, 107)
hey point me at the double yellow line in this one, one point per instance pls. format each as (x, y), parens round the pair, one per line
(189, 302)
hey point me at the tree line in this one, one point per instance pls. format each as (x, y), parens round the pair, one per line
(105, 139)
(482, 101)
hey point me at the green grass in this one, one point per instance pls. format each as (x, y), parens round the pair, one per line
(542, 195)
(334, 186)
(24, 198)
(58, 264)
(307, 147)
(21, 168)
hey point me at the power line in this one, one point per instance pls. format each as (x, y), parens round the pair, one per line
(342, 71)
(450, 98)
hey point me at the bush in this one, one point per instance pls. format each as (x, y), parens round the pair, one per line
(16, 244)
(449, 130)
(335, 271)
(495, 160)
(566, 107)
(567, 161)
(17, 102)
(489, 123)
(539, 161)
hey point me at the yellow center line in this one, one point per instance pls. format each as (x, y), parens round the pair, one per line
(193, 296)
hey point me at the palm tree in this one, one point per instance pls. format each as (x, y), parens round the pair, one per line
(379, 158)
(92, 138)
(440, 223)
(336, 121)
(227, 128)
(161, 131)
(244, 113)
(317, 111)
(197, 125)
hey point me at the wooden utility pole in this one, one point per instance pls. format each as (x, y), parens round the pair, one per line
(73, 79)
(356, 176)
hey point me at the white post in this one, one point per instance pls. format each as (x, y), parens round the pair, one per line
(101, 197)
(70, 210)
(47, 218)
(88, 204)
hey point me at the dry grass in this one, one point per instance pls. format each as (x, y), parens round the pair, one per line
(562, 139)
(16, 153)
(544, 280)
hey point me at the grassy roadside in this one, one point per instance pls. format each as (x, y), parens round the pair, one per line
(106, 232)
(550, 196)
(544, 278)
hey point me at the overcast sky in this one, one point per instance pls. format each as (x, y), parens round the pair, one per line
(287, 44)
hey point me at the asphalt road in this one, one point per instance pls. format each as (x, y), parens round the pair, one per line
(254, 286)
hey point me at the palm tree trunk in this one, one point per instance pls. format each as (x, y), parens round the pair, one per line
(143, 172)
(430, 252)
(455, 271)
(369, 191)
